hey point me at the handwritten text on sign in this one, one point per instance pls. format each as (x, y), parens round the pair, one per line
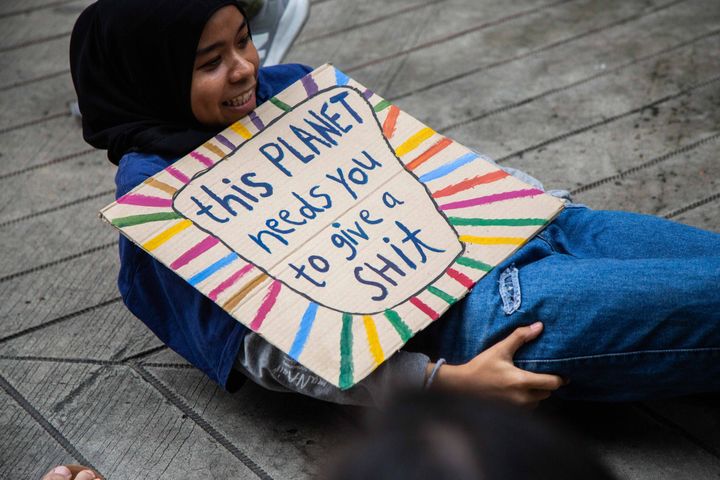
(319, 201)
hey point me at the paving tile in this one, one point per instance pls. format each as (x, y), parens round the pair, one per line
(661, 187)
(55, 292)
(128, 430)
(634, 445)
(40, 23)
(28, 450)
(50, 188)
(705, 216)
(23, 148)
(47, 238)
(34, 61)
(165, 356)
(107, 333)
(342, 15)
(12, 7)
(286, 434)
(625, 143)
(400, 33)
(556, 116)
(509, 81)
(38, 100)
(518, 36)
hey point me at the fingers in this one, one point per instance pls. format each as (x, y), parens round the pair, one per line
(60, 472)
(86, 475)
(542, 381)
(530, 398)
(532, 388)
(519, 337)
(66, 472)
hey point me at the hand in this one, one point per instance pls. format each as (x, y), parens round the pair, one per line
(493, 374)
(67, 472)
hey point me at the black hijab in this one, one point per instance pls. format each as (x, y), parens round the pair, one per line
(132, 64)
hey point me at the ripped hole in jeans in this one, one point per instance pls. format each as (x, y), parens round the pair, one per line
(510, 290)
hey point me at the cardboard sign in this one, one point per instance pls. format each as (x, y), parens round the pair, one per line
(332, 223)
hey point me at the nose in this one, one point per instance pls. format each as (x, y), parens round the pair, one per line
(241, 68)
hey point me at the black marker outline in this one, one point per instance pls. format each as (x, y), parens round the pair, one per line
(394, 155)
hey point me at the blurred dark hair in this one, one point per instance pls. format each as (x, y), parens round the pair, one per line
(440, 436)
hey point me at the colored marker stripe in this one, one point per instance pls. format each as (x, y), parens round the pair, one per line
(195, 251)
(469, 183)
(228, 282)
(257, 121)
(240, 129)
(144, 200)
(472, 263)
(367, 94)
(162, 186)
(177, 174)
(496, 222)
(414, 141)
(429, 153)
(498, 197)
(442, 295)
(346, 360)
(224, 140)
(303, 332)
(267, 305)
(309, 84)
(131, 220)
(166, 235)
(233, 301)
(382, 105)
(202, 158)
(492, 240)
(205, 273)
(214, 149)
(460, 277)
(425, 308)
(280, 104)
(390, 122)
(397, 322)
(340, 78)
(373, 340)
(449, 167)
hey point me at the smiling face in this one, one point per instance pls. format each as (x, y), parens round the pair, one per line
(225, 72)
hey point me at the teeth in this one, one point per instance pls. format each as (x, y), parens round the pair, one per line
(239, 100)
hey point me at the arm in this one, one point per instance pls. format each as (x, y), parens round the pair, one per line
(493, 374)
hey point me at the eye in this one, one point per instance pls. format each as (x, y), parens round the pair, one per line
(211, 64)
(244, 40)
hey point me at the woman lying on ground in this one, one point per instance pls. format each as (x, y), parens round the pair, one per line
(624, 305)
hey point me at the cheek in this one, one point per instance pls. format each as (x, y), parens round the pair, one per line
(203, 96)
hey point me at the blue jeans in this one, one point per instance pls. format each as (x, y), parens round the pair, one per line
(630, 304)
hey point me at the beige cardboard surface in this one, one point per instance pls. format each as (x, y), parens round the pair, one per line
(332, 223)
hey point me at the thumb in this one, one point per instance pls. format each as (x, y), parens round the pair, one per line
(519, 337)
(61, 472)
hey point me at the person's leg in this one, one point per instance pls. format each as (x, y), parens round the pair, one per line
(587, 233)
(619, 328)
(624, 329)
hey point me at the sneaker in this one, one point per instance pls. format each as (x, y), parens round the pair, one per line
(276, 26)
(75, 109)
